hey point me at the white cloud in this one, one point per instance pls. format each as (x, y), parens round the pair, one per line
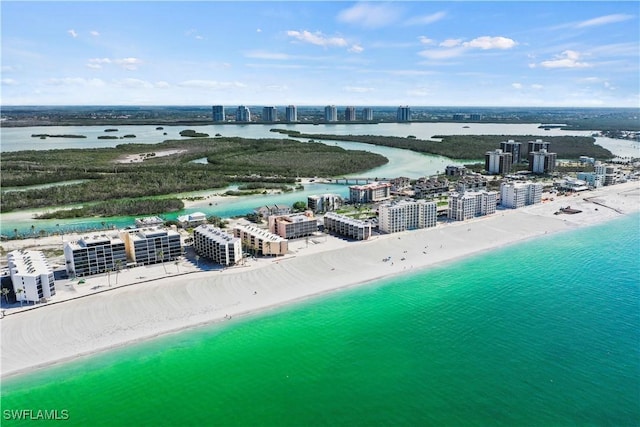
(94, 33)
(162, 85)
(357, 89)
(74, 81)
(72, 33)
(356, 48)
(451, 43)
(516, 85)
(210, 84)
(317, 38)
(128, 63)
(258, 30)
(426, 19)
(9, 82)
(260, 54)
(442, 53)
(487, 42)
(370, 15)
(537, 87)
(567, 59)
(426, 40)
(604, 20)
(133, 83)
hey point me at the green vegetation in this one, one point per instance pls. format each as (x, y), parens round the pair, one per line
(107, 137)
(231, 160)
(45, 135)
(128, 207)
(471, 146)
(193, 134)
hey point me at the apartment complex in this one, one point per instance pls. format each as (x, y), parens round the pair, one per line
(345, 226)
(31, 275)
(370, 193)
(330, 113)
(260, 240)
(537, 145)
(291, 113)
(324, 203)
(243, 114)
(497, 162)
(367, 114)
(518, 194)
(94, 255)
(217, 245)
(151, 245)
(268, 210)
(403, 114)
(429, 187)
(149, 221)
(515, 148)
(471, 183)
(293, 226)
(463, 206)
(404, 215)
(541, 162)
(218, 113)
(269, 114)
(192, 219)
(350, 114)
(455, 170)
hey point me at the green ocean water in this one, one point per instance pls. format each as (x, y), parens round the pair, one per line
(544, 333)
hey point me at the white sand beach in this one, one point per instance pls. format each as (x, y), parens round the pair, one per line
(149, 301)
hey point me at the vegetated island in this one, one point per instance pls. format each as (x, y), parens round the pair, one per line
(130, 207)
(111, 176)
(192, 133)
(468, 146)
(47, 135)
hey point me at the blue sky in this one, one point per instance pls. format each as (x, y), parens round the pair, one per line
(583, 54)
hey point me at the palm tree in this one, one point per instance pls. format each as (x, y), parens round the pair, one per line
(198, 260)
(177, 263)
(118, 265)
(268, 246)
(160, 255)
(15, 231)
(109, 276)
(18, 292)
(5, 293)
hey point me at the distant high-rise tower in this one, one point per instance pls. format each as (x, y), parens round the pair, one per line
(537, 145)
(367, 114)
(243, 114)
(269, 114)
(350, 114)
(218, 113)
(512, 147)
(291, 113)
(497, 162)
(404, 114)
(330, 113)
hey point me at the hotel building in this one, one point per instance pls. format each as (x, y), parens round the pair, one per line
(218, 113)
(463, 206)
(497, 162)
(370, 193)
(330, 113)
(541, 162)
(514, 148)
(404, 114)
(94, 254)
(291, 113)
(217, 245)
(345, 226)
(350, 114)
(518, 194)
(31, 273)
(243, 114)
(261, 240)
(293, 226)
(269, 114)
(151, 245)
(404, 215)
(324, 203)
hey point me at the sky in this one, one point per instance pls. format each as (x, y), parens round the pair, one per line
(420, 53)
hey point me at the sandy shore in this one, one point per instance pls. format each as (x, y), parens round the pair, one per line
(150, 301)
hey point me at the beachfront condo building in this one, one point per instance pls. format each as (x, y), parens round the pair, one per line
(268, 210)
(403, 114)
(350, 114)
(293, 226)
(515, 148)
(537, 145)
(463, 206)
(260, 241)
(402, 215)
(367, 114)
(429, 187)
(370, 193)
(269, 114)
(291, 113)
(497, 162)
(94, 254)
(474, 182)
(515, 195)
(192, 220)
(217, 245)
(324, 203)
(218, 113)
(593, 179)
(542, 162)
(455, 170)
(243, 114)
(346, 226)
(330, 113)
(31, 276)
(399, 184)
(151, 245)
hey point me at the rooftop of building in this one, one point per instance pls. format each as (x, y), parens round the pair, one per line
(28, 263)
(261, 233)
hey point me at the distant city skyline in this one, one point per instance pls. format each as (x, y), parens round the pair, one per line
(538, 54)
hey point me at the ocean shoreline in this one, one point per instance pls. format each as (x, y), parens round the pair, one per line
(164, 305)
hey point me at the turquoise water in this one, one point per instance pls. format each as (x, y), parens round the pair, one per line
(544, 333)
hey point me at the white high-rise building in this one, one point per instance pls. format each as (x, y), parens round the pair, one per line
(350, 114)
(330, 113)
(367, 114)
(94, 255)
(404, 114)
(541, 162)
(269, 114)
(463, 206)
(346, 226)
(31, 275)
(404, 215)
(518, 194)
(217, 245)
(324, 203)
(498, 162)
(291, 113)
(243, 114)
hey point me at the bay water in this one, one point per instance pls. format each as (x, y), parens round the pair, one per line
(542, 333)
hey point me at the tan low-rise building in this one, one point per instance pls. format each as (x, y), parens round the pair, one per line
(293, 226)
(260, 240)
